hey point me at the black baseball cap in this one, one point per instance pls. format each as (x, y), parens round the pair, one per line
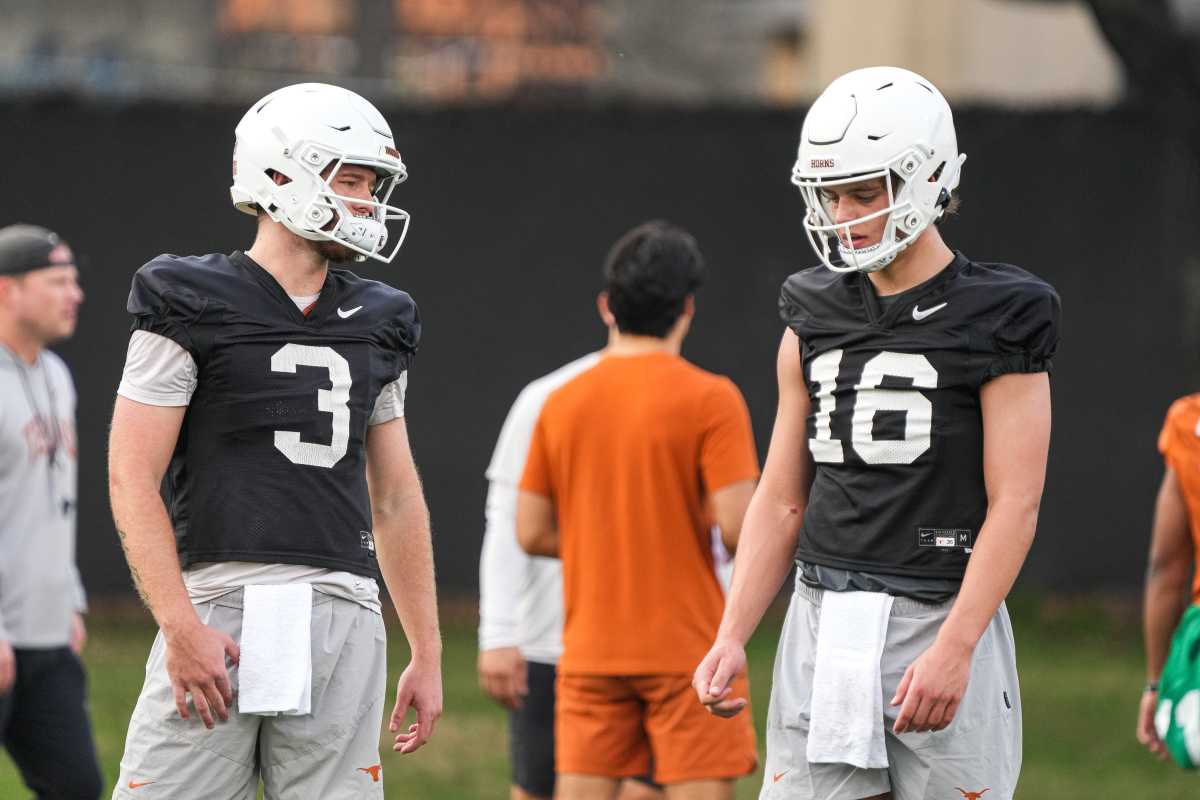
(25, 248)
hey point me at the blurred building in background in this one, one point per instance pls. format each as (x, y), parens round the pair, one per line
(452, 52)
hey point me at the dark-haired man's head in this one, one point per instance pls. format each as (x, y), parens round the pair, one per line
(648, 277)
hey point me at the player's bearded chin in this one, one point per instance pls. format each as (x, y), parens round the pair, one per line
(333, 251)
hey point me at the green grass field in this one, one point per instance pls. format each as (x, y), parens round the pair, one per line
(1080, 677)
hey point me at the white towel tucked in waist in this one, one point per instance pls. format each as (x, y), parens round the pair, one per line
(846, 725)
(275, 669)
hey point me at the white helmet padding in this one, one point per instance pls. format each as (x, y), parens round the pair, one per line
(301, 132)
(878, 122)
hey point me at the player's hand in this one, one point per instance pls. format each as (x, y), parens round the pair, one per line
(1147, 734)
(932, 688)
(504, 676)
(8, 667)
(724, 662)
(420, 687)
(196, 665)
(78, 634)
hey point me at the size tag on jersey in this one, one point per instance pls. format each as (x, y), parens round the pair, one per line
(946, 538)
(367, 542)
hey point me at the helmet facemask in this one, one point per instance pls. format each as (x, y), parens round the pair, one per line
(915, 199)
(329, 216)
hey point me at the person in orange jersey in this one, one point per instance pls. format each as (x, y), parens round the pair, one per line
(623, 460)
(1174, 545)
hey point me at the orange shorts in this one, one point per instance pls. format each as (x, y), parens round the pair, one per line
(620, 726)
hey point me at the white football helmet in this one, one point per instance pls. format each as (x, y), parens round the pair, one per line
(878, 122)
(306, 132)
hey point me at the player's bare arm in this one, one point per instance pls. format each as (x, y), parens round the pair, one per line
(1016, 441)
(729, 505)
(402, 535)
(140, 446)
(1167, 577)
(771, 527)
(537, 524)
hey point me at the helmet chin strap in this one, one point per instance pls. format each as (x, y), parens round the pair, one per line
(850, 256)
(369, 233)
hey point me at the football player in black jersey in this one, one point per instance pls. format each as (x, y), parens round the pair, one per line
(268, 388)
(904, 475)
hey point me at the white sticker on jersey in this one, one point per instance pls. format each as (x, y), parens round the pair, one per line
(945, 538)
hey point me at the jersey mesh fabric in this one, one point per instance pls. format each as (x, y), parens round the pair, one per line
(627, 451)
(270, 463)
(896, 429)
(158, 372)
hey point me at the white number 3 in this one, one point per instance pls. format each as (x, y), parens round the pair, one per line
(334, 401)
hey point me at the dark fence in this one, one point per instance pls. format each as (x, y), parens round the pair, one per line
(514, 210)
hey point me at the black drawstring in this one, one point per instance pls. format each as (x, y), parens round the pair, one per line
(48, 423)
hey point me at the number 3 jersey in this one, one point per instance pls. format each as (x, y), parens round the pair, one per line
(270, 464)
(895, 428)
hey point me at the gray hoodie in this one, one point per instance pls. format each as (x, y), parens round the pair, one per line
(39, 584)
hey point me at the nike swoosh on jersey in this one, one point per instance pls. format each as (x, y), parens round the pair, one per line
(138, 784)
(350, 313)
(919, 315)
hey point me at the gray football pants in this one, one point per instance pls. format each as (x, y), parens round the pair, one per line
(332, 753)
(980, 750)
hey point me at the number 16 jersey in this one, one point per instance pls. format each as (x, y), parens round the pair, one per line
(895, 428)
(270, 463)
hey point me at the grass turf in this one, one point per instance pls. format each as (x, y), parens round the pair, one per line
(1080, 666)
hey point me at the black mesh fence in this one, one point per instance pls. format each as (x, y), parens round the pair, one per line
(513, 212)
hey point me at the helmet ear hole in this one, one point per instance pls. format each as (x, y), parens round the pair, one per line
(277, 177)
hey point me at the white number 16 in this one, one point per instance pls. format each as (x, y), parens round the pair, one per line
(869, 399)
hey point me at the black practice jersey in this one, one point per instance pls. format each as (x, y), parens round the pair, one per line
(270, 465)
(895, 429)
